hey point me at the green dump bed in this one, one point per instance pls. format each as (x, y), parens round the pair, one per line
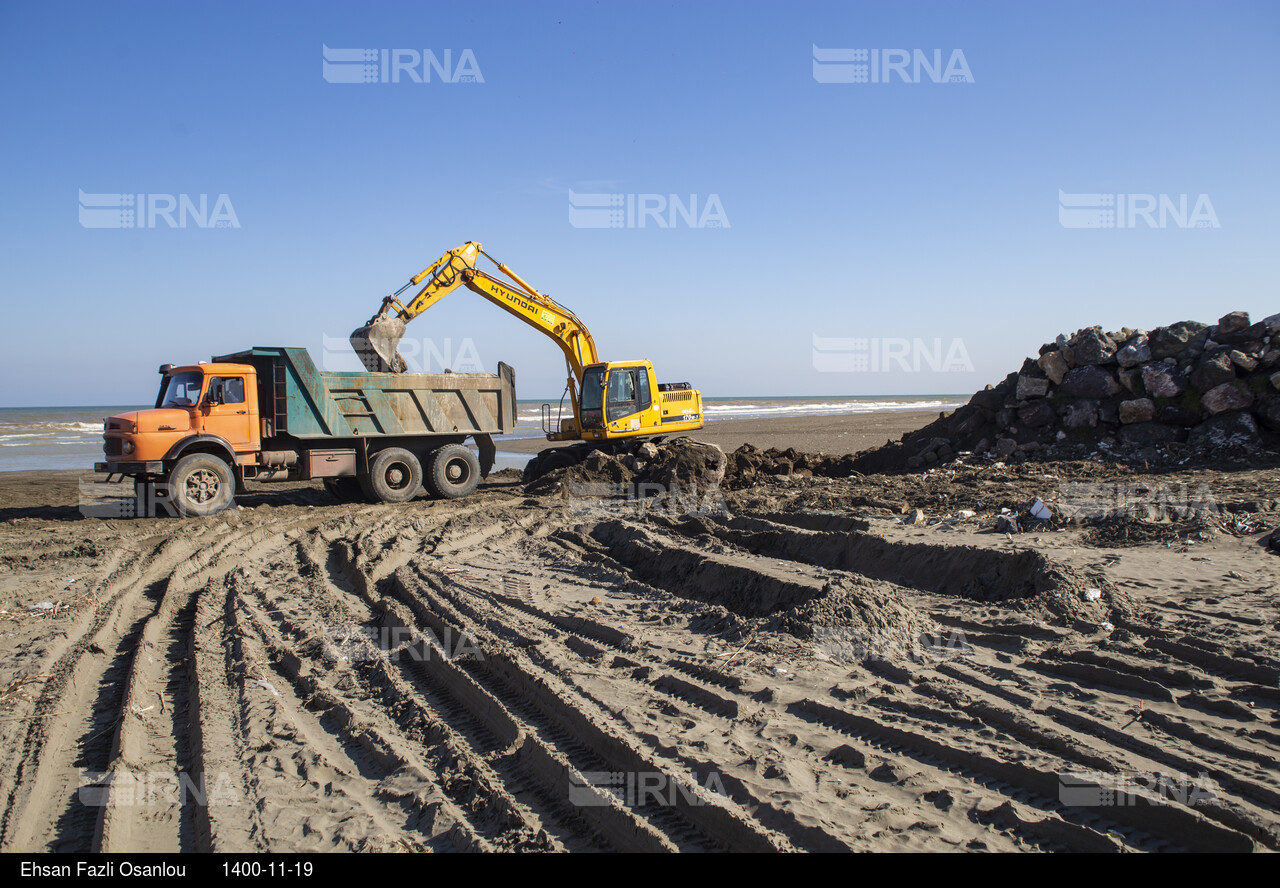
(298, 400)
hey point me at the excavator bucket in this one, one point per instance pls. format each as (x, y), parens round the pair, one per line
(377, 342)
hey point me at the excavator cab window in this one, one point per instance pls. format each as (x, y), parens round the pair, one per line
(622, 392)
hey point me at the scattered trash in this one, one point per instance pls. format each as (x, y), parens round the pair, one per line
(1106, 627)
(263, 683)
(965, 514)
(778, 670)
(41, 606)
(1092, 594)
(1040, 510)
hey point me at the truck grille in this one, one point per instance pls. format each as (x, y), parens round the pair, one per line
(111, 447)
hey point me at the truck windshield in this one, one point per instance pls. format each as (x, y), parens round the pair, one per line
(182, 389)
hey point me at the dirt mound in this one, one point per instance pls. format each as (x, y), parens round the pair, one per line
(1183, 391)
(748, 464)
(653, 467)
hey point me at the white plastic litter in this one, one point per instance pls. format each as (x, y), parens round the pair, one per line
(263, 683)
(1040, 510)
(1092, 594)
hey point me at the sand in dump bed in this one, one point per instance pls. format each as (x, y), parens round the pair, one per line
(786, 664)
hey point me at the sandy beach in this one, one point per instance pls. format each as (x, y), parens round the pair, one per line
(812, 434)
(786, 663)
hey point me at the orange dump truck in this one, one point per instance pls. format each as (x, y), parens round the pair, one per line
(267, 414)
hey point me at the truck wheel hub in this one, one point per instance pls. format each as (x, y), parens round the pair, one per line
(202, 486)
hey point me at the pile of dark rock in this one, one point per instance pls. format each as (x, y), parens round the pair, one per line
(677, 464)
(748, 464)
(1185, 390)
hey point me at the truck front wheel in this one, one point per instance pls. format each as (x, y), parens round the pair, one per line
(201, 484)
(455, 472)
(395, 476)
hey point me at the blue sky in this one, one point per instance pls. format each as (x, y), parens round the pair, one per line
(878, 211)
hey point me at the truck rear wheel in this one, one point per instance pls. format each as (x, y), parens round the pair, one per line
(395, 476)
(454, 472)
(201, 484)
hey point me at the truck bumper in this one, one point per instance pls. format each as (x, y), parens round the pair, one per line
(129, 468)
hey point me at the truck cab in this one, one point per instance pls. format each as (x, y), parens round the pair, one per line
(203, 406)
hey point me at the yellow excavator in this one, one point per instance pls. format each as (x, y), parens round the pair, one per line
(611, 399)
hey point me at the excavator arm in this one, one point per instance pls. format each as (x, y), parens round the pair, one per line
(377, 341)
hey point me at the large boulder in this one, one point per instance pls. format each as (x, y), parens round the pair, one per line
(1230, 431)
(1036, 414)
(1080, 414)
(686, 465)
(1089, 382)
(1163, 381)
(1031, 387)
(1232, 322)
(1136, 351)
(1054, 365)
(1228, 397)
(1172, 341)
(1249, 338)
(1213, 370)
(1138, 410)
(1092, 347)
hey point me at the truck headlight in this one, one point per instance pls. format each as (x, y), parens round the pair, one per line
(127, 447)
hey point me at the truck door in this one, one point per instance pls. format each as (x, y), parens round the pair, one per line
(227, 411)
